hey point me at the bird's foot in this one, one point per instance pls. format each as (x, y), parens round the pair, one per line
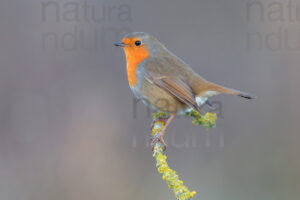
(160, 139)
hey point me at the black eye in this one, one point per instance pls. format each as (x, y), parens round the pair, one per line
(138, 43)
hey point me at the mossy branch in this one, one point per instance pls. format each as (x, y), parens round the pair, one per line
(180, 191)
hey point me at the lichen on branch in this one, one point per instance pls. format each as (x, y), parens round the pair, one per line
(180, 191)
(208, 120)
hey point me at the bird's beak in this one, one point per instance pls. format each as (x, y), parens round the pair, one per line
(120, 44)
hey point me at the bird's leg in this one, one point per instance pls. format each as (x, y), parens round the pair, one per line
(159, 138)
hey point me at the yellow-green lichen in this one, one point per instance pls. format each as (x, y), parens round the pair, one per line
(208, 120)
(159, 114)
(180, 191)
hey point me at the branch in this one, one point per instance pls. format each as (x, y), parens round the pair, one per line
(180, 191)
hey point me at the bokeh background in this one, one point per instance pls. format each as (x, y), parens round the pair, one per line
(70, 128)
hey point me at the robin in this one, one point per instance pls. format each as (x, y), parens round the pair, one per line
(163, 81)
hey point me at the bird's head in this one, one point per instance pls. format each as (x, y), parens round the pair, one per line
(138, 45)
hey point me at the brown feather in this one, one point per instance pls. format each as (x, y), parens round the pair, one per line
(177, 87)
(222, 89)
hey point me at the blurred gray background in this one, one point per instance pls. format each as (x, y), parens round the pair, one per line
(69, 125)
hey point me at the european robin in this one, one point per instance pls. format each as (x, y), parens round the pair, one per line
(163, 81)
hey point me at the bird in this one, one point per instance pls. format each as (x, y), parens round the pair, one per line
(163, 81)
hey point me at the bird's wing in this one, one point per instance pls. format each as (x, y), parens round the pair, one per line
(176, 86)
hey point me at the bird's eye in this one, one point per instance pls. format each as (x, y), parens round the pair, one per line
(138, 43)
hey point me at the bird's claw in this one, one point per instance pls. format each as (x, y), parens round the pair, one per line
(157, 139)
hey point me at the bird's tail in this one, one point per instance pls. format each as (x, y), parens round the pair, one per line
(221, 89)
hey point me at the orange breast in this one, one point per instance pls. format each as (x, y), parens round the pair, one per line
(134, 56)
